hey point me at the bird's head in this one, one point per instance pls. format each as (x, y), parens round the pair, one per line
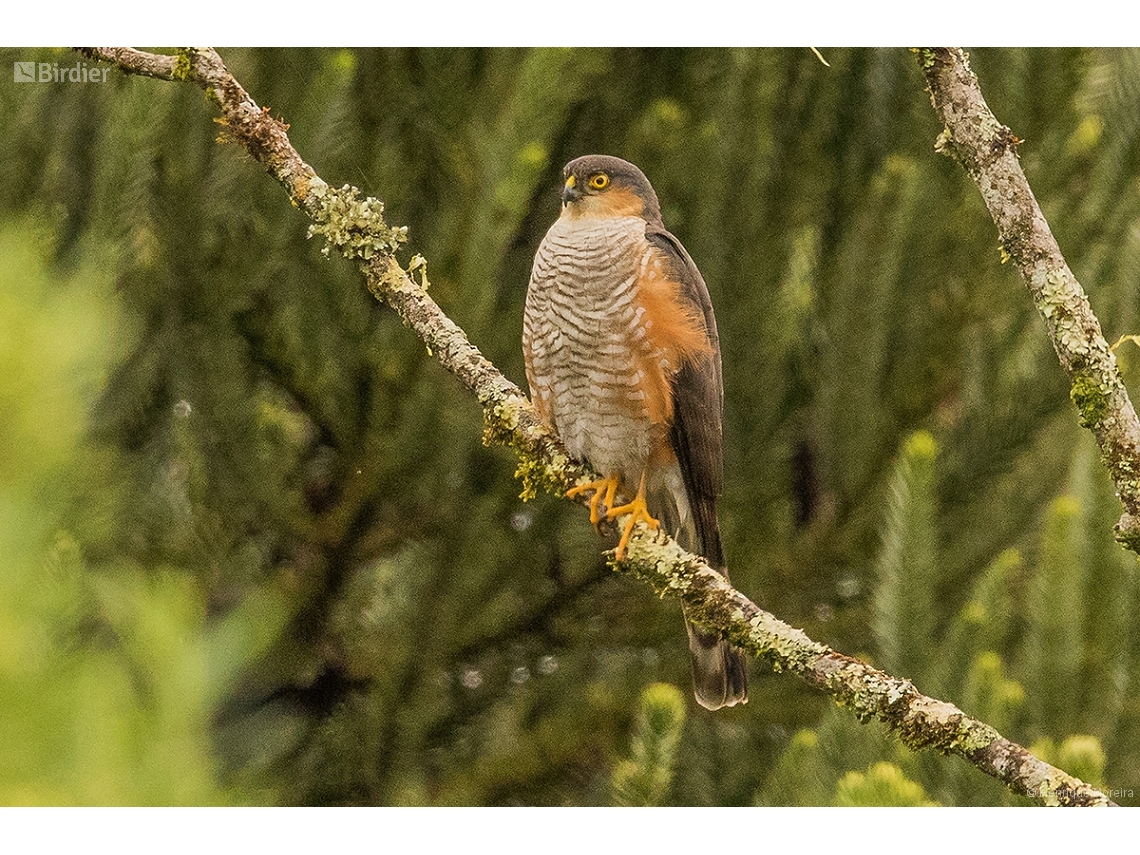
(598, 185)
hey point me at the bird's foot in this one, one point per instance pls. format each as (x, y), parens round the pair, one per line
(638, 512)
(604, 492)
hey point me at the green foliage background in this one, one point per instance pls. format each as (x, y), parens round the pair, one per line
(254, 551)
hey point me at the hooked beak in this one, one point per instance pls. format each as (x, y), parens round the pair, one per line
(570, 191)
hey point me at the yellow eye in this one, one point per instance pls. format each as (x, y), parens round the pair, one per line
(599, 181)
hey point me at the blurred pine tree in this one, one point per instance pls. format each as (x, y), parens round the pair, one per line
(644, 779)
(109, 672)
(883, 785)
(903, 602)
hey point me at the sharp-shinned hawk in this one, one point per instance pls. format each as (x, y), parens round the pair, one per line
(623, 361)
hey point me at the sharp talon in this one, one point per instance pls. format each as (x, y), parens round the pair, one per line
(604, 491)
(638, 512)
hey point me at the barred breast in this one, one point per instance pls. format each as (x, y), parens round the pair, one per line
(584, 340)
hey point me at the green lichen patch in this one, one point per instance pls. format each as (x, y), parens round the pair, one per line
(926, 58)
(931, 723)
(786, 647)
(1056, 292)
(1127, 532)
(974, 736)
(536, 474)
(944, 143)
(505, 423)
(391, 278)
(1090, 397)
(503, 419)
(855, 688)
(182, 66)
(419, 263)
(353, 224)
(1057, 789)
(652, 556)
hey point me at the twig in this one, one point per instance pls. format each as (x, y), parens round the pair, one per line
(356, 227)
(988, 151)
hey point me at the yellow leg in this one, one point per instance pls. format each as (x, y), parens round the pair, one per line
(637, 510)
(604, 488)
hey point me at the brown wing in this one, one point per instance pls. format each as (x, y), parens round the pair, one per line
(698, 403)
(720, 674)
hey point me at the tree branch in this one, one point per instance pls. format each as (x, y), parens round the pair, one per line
(356, 227)
(988, 151)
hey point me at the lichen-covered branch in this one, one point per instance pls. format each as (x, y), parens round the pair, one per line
(988, 151)
(921, 722)
(355, 226)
